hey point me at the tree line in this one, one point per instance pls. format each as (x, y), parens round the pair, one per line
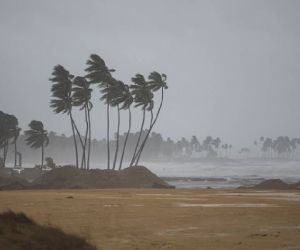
(277, 148)
(157, 148)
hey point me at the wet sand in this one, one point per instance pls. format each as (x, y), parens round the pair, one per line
(167, 219)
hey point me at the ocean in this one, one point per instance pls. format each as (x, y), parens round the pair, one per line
(220, 174)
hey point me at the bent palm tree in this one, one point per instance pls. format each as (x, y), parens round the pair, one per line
(81, 96)
(143, 97)
(8, 131)
(126, 99)
(37, 136)
(62, 99)
(112, 93)
(100, 74)
(15, 133)
(4, 135)
(157, 82)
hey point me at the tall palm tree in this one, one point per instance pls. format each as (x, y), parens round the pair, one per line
(143, 97)
(126, 99)
(99, 73)
(81, 95)
(121, 98)
(4, 135)
(9, 132)
(37, 136)
(157, 82)
(112, 94)
(15, 134)
(62, 99)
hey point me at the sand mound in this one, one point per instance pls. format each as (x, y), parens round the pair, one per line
(276, 184)
(13, 183)
(70, 177)
(142, 177)
(18, 232)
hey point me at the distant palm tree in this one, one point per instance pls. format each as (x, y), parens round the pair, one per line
(216, 143)
(99, 73)
(62, 99)
(143, 97)
(37, 137)
(81, 95)
(255, 143)
(195, 144)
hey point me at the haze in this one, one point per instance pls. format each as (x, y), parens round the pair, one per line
(232, 66)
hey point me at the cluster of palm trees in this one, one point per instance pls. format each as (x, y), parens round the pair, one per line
(9, 133)
(36, 137)
(280, 147)
(69, 92)
(212, 146)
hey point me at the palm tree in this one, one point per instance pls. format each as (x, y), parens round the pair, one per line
(126, 99)
(99, 73)
(143, 97)
(4, 135)
(156, 82)
(216, 143)
(15, 133)
(113, 94)
(37, 136)
(81, 96)
(9, 130)
(62, 99)
(195, 143)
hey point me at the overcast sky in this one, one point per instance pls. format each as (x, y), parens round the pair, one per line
(233, 66)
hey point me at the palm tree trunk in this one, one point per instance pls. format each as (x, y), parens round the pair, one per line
(107, 136)
(78, 133)
(89, 145)
(83, 162)
(43, 155)
(152, 124)
(138, 155)
(117, 142)
(15, 142)
(126, 138)
(138, 141)
(74, 138)
(5, 150)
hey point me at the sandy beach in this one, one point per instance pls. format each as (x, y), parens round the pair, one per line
(167, 219)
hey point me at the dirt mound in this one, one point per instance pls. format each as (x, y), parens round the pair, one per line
(140, 176)
(30, 174)
(276, 184)
(70, 177)
(58, 178)
(13, 183)
(18, 232)
(5, 172)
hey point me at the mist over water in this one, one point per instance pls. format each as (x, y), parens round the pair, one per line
(226, 174)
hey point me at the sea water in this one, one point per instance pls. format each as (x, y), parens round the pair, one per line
(219, 174)
(230, 174)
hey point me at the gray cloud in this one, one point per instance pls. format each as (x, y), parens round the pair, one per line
(233, 66)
